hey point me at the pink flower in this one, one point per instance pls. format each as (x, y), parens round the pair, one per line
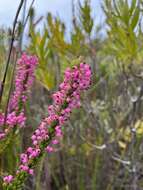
(49, 149)
(31, 171)
(24, 168)
(55, 141)
(24, 158)
(65, 101)
(23, 81)
(2, 135)
(8, 179)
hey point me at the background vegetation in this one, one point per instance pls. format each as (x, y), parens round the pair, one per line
(102, 148)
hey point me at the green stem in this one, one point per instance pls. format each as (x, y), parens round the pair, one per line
(39, 172)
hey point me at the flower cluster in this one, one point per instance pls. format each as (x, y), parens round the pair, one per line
(12, 120)
(23, 81)
(8, 179)
(48, 134)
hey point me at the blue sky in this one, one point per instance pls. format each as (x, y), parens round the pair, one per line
(61, 8)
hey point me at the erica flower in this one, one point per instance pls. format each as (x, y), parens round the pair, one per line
(49, 132)
(24, 78)
(8, 179)
(23, 81)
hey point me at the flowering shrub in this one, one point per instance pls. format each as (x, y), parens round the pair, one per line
(49, 131)
(23, 81)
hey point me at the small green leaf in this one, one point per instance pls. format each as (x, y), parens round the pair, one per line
(135, 18)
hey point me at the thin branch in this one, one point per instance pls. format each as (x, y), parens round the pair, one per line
(26, 19)
(10, 49)
(124, 162)
(22, 22)
(99, 147)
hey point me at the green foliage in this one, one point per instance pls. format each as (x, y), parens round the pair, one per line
(52, 48)
(123, 19)
(2, 51)
(85, 15)
(39, 47)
